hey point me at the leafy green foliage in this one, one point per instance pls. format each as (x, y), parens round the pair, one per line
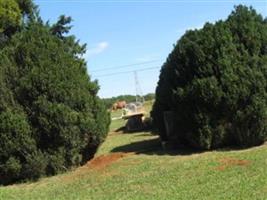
(214, 81)
(16, 144)
(27, 7)
(10, 16)
(50, 116)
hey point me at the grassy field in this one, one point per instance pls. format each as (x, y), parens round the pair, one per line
(134, 166)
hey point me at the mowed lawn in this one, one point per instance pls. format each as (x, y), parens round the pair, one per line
(134, 166)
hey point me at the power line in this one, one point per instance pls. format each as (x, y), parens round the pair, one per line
(126, 72)
(124, 66)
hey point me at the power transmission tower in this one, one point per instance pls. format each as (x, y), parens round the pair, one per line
(139, 94)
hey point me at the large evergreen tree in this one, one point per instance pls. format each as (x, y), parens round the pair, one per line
(50, 116)
(214, 82)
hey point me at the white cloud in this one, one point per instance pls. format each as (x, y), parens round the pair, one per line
(97, 49)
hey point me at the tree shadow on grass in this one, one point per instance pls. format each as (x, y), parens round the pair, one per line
(240, 148)
(121, 129)
(124, 130)
(153, 147)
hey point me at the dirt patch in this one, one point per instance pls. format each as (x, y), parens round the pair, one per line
(105, 160)
(97, 163)
(228, 162)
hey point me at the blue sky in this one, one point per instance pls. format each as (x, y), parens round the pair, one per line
(120, 33)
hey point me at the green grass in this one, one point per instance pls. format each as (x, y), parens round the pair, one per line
(116, 113)
(116, 124)
(152, 173)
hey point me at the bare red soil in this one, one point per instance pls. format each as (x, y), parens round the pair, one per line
(228, 162)
(105, 160)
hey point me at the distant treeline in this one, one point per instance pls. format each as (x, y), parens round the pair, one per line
(128, 98)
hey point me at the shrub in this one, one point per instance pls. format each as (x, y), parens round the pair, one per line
(10, 16)
(51, 118)
(214, 81)
(15, 143)
(34, 165)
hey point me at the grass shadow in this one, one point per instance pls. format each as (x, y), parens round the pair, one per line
(239, 148)
(124, 130)
(153, 147)
(121, 129)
